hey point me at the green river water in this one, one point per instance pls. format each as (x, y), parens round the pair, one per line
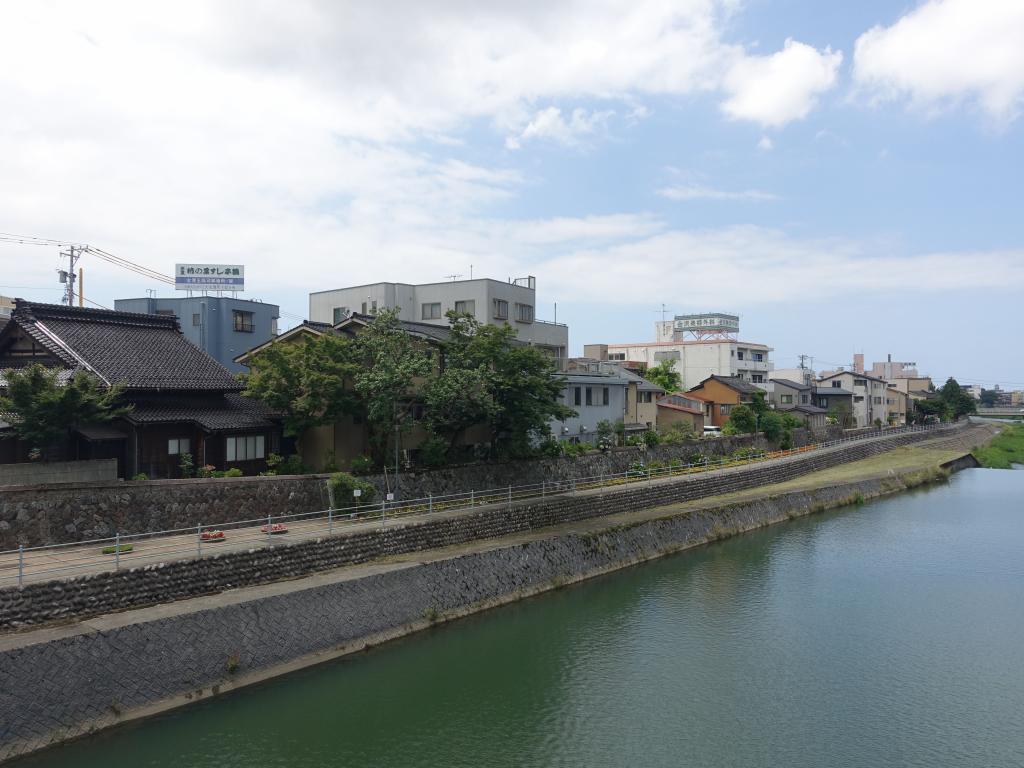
(890, 634)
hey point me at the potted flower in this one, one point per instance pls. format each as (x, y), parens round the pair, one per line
(214, 535)
(275, 529)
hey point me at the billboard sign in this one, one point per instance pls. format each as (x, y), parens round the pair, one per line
(209, 277)
(712, 322)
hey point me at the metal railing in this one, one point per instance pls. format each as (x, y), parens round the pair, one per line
(128, 550)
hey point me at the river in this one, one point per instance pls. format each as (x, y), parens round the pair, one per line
(890, 634)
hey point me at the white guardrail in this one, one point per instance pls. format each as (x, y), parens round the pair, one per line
(127, 550)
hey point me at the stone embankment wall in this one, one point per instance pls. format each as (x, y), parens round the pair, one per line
(122, 590)
(161, 660)
(55, 472)
(40, 516)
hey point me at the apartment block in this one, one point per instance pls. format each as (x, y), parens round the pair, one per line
(869, 395)
(493, 302)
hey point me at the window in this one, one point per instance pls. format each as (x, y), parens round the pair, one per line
(724, 409)
(805, 399)
(576, 396)
(645, 397)
(245, 448)
(739, 355)
(604, 396)
(858, 399)
(823, 402)
(786, 399)
(616, 355)
(500, 309)
(757, 378)
(661, 356)
(859, 383)
(590, 395)
(432, 311)
(877, 400)
(758, 357)
(340, 313)
(837, 384)
(467, 307)
(524, 313)
(242, 321)
(197, 319)
(178, 445)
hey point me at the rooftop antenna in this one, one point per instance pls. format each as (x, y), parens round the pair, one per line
(470, 271)
(453, 278)
(663, 310)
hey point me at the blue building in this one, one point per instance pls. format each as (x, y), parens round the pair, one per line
(222, 327)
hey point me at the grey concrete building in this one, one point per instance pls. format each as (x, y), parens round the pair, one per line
(596, 395)
(222, 327)
(511, 303)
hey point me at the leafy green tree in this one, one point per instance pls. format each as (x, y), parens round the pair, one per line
(665, 375)
(842, 415)
(989, 397)
(389, 379)
(456, 400)
(742, 419)
(46, 411)
(310, 382)
(520, 381)
(957, 400)
(773, 427)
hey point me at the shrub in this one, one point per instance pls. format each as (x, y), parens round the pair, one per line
(342, 484)
(292, 465)
(362, 465)
(786, 443)
(114, 549)
(434, 452)
(651, 438)
(772, 426)
(789, 421)
(140, 476)
(549, 447)
(206, 470)
(233, 472)
(605, 430)
(186, 465)
(677, 433)
(331, 461)
(574, 449)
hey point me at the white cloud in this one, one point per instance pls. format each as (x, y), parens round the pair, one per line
(947, 52)
(782, 87)
(685, 192)
(776, 267)
(550, 124)
(765, 144)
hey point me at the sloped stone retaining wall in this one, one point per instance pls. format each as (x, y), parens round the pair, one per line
(122, 590)
(53, 688)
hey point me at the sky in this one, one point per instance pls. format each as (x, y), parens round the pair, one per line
(844, 176)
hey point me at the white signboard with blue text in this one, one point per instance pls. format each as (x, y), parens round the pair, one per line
(209, 277)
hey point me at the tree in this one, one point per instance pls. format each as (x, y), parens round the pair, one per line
(308, 382)
(456, 400)
(389, 378)
(759, 406)
(958, 402)
(842, 415)
(665, 375)
(989, 397)
(772, 426)
(743, 419)
(45, 410)
(519, 379)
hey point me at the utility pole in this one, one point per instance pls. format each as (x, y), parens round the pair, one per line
(68, 276)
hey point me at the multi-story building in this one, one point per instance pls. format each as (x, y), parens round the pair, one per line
(899, 405)
(221, 326)
(595, 394)
(6, 306)
(490, 301)
(698, 346)
(869, 395)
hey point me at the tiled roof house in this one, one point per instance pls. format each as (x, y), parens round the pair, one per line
(183, 401)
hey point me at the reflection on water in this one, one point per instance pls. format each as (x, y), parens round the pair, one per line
(882, 635)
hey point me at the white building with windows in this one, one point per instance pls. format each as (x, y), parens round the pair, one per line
(490, 301)
(870, 398)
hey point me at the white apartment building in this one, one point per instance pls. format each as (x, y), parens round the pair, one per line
(696, 360)
(870, 397)
(490, 301)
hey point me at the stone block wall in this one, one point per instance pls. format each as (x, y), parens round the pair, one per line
(122, 590)
(53, 472)
(119, 672)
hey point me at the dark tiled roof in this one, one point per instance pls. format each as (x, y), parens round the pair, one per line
(143, 352)
(213, 413)
(832, 391)
(733, 382)
(804, 408)
(792, 384)
(63, 374)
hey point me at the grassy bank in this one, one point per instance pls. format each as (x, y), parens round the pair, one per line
(1005, 449)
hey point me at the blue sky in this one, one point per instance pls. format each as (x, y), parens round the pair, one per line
(845, 176)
